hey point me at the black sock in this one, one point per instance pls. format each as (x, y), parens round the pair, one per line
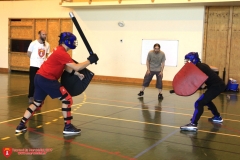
(23, 121)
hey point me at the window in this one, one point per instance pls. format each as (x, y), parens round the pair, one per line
(18, 45)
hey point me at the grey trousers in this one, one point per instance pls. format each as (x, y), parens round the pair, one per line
(148, 79)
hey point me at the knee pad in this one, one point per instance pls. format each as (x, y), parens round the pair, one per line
(66, 99)
(37, 105)
(32, 111)
(196, 103)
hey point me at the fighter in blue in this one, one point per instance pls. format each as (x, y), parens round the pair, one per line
(215, 86)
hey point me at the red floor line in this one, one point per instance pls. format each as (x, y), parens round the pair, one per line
(230, 129)
(77, 143)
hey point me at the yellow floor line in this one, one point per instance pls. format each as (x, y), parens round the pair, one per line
(5, 138)
(156, 111)
(181, 109)
(83, 102)
(34, 115)
(155, 124)
(57, 109)
(14, 95)
(39, 126)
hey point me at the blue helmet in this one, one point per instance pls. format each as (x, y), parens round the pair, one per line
(68, 39)
(193, 57)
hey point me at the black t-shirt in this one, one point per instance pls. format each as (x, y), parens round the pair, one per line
(213, 78)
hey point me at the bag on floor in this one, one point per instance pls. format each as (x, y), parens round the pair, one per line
(232, 85)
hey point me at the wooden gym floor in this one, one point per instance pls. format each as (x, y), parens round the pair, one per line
(117, 125)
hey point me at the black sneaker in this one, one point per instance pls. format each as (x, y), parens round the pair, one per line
(189, 127)
(70, 129)
(141, 93)
(160, 96)
(21, 128)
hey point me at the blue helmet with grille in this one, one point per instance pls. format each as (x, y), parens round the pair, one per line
(68, 39)
(193, 57)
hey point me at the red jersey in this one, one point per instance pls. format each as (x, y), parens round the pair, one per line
(53, 67)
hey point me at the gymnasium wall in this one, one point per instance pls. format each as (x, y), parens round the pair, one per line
(25, 9)
(123, 59)
(118, 59)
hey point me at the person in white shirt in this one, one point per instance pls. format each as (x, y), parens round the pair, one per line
(37, 52)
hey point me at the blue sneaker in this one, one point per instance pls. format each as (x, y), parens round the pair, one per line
(70, 129)
(21, 128)
(217, 119)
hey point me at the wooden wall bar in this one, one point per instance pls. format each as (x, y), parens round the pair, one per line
(53, 31)
(40, 24)
(27, 29)
(234, 58)
(130, 81)
(169, 3)
(222, 39)
(216, 37)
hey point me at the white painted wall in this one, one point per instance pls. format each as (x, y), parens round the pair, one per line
(25, 9)
(100, 27)
(124, 59)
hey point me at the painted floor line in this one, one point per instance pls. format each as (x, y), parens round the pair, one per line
(14, 95)
(101, 104)
(118, 154)
(57, 109)
(155, 124)
(155, 144)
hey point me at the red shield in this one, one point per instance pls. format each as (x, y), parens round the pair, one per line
(7, 152)
(188, 80)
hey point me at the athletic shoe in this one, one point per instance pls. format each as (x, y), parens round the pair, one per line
(70, 129)
(217, 119)
(189, 127)
(160, 96)
(141, 93)
(20, 128)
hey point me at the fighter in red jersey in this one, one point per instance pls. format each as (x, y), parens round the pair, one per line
(46, 81)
